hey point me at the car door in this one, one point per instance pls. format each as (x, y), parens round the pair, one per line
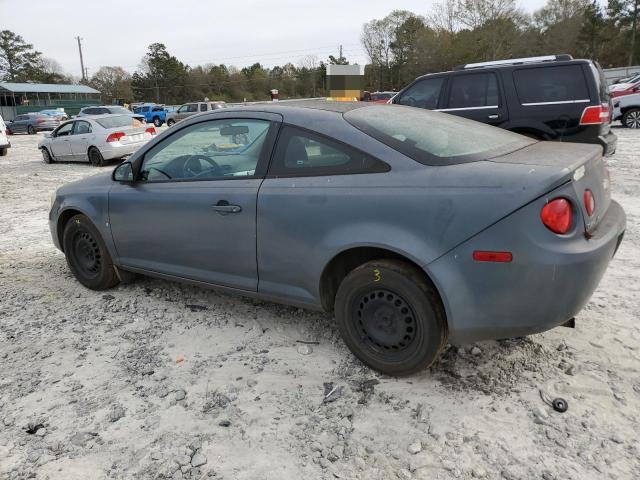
(19, 124)
(477, 96)
(60, 144)
(79, 140)
(192, 211)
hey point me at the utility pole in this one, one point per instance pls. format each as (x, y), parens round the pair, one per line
(340, 57)
(84, 72)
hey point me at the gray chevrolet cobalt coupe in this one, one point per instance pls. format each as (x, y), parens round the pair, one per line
(415, 228)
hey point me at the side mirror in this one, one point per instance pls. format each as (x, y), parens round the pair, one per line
(123, 173)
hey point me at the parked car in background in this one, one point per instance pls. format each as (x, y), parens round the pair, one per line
(32, 123)
(152, 113)
(57, 114)
(546, 98)
(378, 97)
(108, 109)
(625, 89)
(627, 110)
(95, 139)
(294, 213)
(4, 140)
(632, 79)
(189, 109)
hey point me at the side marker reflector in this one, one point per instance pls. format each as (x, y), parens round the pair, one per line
(485, 256)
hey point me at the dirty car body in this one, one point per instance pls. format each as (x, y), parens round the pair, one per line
(349, 195)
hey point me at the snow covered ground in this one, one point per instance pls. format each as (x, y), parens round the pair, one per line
(161, 380)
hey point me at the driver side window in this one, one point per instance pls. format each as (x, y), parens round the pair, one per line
(64, 130)
(214, 150)
(423, 94)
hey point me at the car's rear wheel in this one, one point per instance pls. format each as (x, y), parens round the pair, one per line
(95, 157)
(631, 118)
(157, 122)
(46, 156)
(170, 122)
(391, 317)
(3, 151)
(31, 130)
(87, 255)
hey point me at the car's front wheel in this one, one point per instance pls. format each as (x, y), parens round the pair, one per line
(87, 255)
(3, 151)
(391, 317)
(46, 156)
(631, 118)
(170, 122)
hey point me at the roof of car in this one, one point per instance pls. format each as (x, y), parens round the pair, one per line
(325, 105)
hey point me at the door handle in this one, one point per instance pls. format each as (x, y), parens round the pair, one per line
(495, 116)
(223, 208)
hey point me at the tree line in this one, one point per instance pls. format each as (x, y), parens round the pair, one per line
(404, 45)
(400, 47)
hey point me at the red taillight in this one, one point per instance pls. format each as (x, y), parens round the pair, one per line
(589, 202)
(151, 130)
(595, 115)
(114, 137)
(40, 120)
(486, 256)
(557, 215)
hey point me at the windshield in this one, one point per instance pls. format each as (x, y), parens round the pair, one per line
(116, 121)
(434, 138)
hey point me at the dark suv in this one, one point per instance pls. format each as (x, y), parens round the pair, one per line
(547, 98)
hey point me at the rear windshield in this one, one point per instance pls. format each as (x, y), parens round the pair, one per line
(118, 110)
(434, 138)
(116, 121)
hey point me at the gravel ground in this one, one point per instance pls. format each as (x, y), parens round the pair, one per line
(160, 380)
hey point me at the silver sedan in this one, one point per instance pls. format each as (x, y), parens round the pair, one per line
(95, 139)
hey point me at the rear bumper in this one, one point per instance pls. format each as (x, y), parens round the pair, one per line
(550, 279)
(609, 143)
(113, 150)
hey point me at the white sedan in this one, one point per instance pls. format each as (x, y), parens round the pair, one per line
(95, 139)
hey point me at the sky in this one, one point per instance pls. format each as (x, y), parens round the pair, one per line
(239, 32)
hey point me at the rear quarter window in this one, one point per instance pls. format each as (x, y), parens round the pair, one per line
(562, 83)
(434, 138)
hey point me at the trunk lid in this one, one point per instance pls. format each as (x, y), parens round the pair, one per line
(580, 164)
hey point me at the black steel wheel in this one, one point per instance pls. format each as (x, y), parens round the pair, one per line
(391, 317)
(46, 156)
(631, 118)
(95, 157)
(87, 255)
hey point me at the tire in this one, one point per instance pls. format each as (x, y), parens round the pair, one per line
(95, 157)
(631, 118)
(3, 152)
(157, 122)
(391, 317)
(31, 130)
(46, 156)
(170, 122)
(87, 255)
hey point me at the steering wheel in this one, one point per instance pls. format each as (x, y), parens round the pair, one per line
(195, 172)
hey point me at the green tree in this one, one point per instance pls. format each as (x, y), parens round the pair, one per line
(162, 77)
(113, 83)
(625, 15)
(19, 62)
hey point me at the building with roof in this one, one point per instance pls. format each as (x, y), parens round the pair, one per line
(20, 98)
